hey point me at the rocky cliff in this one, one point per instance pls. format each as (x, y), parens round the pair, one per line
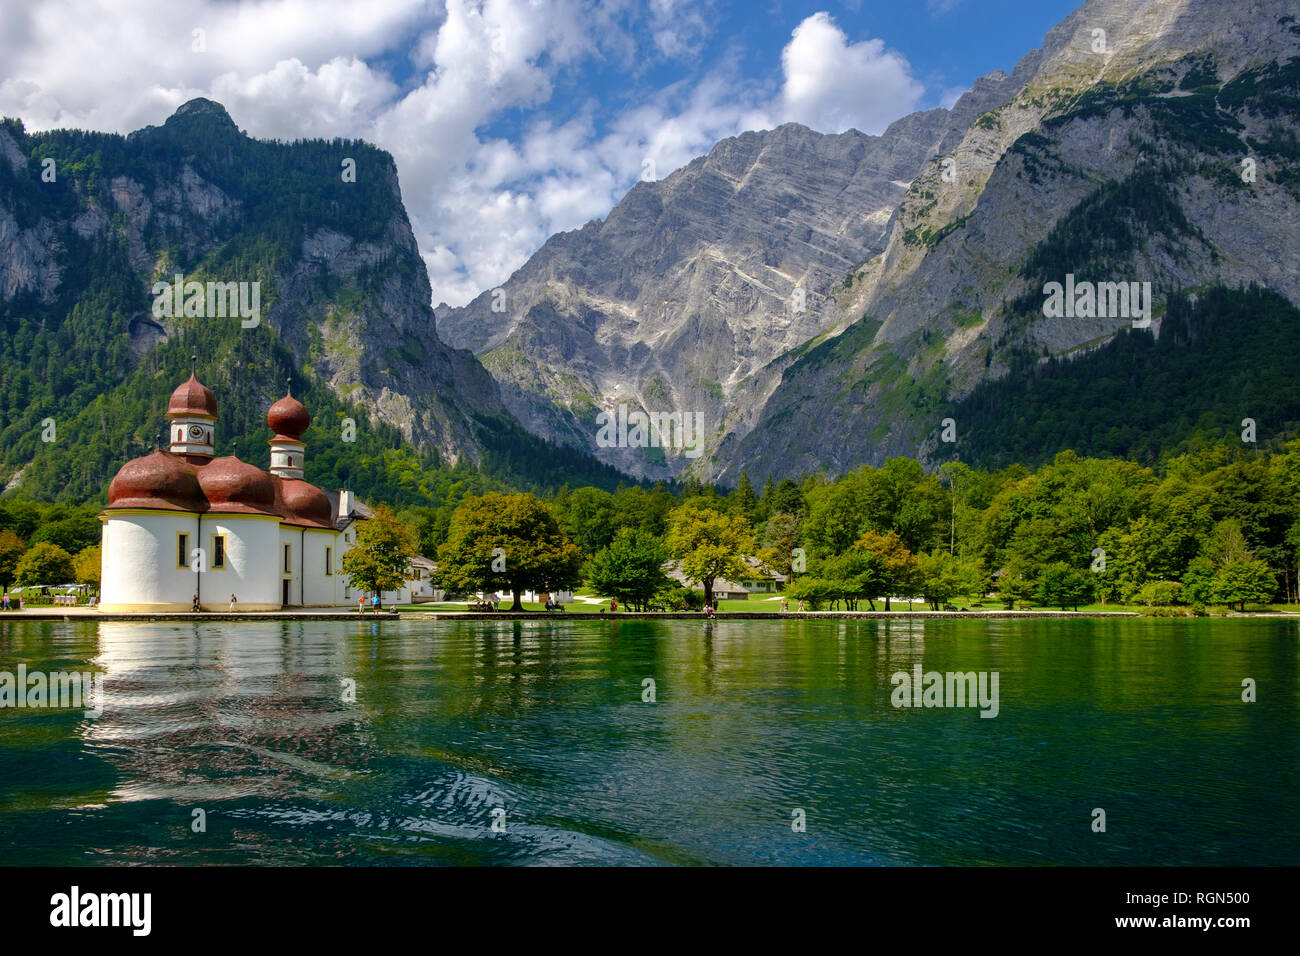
(1155, 142)
(1114, 153)
(90, 222)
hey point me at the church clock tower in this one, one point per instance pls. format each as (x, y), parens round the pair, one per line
(192, 422)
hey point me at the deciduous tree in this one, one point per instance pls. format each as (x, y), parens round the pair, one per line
(507, 542)
(709, 544)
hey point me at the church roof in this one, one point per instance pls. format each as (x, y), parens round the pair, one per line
(303, 504)
(232, 486)
(192, 399)
(288, 418)
(159, 480)
(164, 481)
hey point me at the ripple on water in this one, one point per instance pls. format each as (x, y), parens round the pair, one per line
(751, 725)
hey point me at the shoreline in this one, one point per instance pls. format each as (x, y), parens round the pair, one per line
(90, 614)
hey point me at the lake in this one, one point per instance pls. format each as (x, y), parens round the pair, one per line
(766, 742)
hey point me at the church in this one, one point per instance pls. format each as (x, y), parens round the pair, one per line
(182, 522)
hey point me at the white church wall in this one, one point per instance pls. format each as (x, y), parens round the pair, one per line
(289, 570)
(134, 540)
(250, 571)
(321, 589)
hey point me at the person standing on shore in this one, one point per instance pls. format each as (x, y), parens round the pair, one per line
(232, 602)
(361, 604)
(6, 600)
(374, 603)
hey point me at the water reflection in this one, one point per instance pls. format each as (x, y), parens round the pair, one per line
(455, 724)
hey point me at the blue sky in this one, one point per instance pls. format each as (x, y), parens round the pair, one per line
(509, 119)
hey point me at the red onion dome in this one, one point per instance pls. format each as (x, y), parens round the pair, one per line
(302, 503)
(192, 399)
(158, 480)
(288, 418)
(234, 486)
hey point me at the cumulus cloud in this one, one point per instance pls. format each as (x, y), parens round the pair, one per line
(431, 84)
(833, 85)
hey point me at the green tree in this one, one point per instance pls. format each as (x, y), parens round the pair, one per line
(1244, 580)
(1063, 586)
(941, 576)
(780, 538)
(854, 576)
(743, 501)
(72, 533)
(11, 551)
(507, 542)
(813, 591)
(709, 544)
(973, 578)
(1198, 582)
(45, 563)
(630, 569)
(902, 577)
(1160, 593)
(787, 497)
(589, 517)
(381, 557)
(86, 566)
(1014, 585)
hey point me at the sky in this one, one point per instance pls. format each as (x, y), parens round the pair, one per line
(509, 120)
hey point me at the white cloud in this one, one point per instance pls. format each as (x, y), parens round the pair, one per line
(833, 85)
(429, 81)
(292, 101)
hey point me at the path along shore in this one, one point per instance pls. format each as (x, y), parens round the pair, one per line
(308, 614)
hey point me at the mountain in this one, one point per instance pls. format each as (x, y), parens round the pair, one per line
(90, 222)
(1119, 166)
(688, 289)
(1114, 153)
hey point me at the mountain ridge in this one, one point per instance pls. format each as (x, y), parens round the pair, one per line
(699, 324)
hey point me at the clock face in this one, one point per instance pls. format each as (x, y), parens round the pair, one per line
(196, 432)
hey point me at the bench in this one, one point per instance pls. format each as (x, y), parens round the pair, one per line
(1026, 607)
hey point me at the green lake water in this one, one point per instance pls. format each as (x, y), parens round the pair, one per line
(455, 722)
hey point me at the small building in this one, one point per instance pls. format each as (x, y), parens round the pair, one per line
(762, 581)
(419, 585)
(723, 590)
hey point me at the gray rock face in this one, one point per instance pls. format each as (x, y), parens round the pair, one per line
(680, 299)
(938, 307)
(910, 250)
